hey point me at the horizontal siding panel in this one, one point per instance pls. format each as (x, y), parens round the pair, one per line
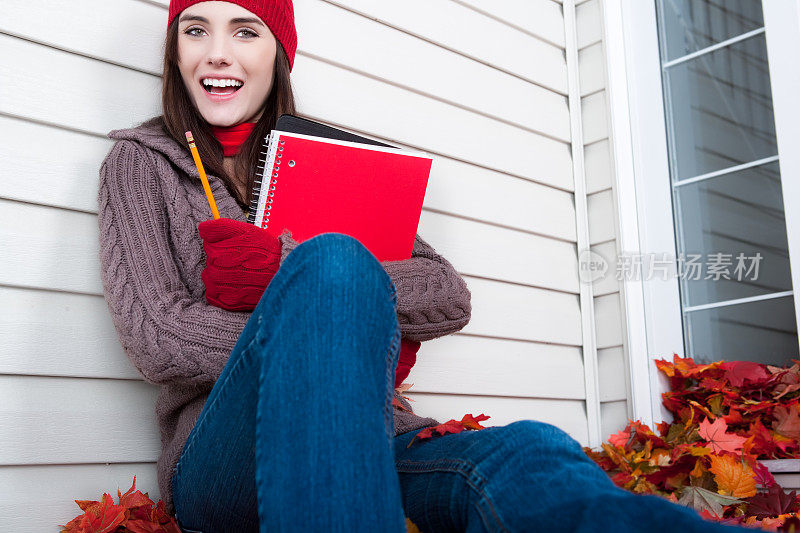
(600, 206)
(56, 87)
(474, 192)
(594, 117)
(54, 248)
(599, 170)
(613, 418)
(334, 34)
(608, 325)
(525, 313)
(611, 374)
(591, 69)
(454, 26)
(588, 23)
(543, 18)
(59, 334)
(505, 255)
(67, 177)
(73, 420)
(461, 364)
(569, 415)
(97, 28)
(43, 496)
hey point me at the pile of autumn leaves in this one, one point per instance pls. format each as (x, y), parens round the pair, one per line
(728, 415)
(133, 513)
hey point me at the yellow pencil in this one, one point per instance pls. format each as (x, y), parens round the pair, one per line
(203, 177)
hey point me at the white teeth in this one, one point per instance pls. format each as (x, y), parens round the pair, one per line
(221, 83)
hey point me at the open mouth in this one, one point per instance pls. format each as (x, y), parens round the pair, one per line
(214, 89)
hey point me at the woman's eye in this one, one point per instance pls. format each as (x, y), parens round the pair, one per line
(190, 30)
(252, 33)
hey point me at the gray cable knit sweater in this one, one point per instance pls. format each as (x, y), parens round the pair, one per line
(150, 202)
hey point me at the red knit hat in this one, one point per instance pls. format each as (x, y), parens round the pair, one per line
(278, 15)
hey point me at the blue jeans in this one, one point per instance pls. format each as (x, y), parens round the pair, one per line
(297, 432)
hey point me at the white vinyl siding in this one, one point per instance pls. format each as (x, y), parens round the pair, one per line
(459, 83)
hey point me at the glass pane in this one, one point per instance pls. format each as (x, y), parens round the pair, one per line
(763, 331)
(721, 109)
(733, 214)
(691, 25)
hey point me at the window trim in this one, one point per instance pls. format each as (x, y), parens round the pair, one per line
(782, 23)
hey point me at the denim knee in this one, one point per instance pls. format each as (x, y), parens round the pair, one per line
(342, 259)
(545, 435)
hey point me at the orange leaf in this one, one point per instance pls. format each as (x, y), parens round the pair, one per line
(734, 478)
(471, 422)
(716, 434)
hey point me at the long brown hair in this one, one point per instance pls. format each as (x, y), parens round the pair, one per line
(180, 116)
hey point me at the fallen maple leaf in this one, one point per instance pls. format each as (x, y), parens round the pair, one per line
(787, 421)
(399, 405)
(772, 503)
(620, 439)
(733, 477)
(763, 476)
(99, 517)
(717, 436)
(739, 371)
(701, 500)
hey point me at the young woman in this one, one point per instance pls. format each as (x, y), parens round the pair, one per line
(278, 362)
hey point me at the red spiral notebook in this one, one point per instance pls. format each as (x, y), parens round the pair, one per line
(314, 185)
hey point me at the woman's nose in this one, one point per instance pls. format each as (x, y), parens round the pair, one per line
(219, 52)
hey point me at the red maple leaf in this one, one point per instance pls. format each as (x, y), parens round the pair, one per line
(99, 517)
(717, 436)
(621, 438)
(739, 371)
(451, 426)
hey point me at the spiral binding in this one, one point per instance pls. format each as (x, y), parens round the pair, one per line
(266, 167)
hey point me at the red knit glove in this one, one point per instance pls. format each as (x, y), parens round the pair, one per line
(241, 260)
(408, 356)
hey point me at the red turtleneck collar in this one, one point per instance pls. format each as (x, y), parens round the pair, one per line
(232, 137)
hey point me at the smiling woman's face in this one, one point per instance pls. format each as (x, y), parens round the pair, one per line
(215, 42)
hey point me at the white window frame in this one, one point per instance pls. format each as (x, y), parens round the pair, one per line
(639, 146)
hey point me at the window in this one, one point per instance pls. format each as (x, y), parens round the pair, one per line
(730, 233)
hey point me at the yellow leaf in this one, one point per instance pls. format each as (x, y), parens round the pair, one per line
(734, 478)
(699, 451)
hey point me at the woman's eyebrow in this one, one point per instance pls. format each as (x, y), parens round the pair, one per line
(239, 20)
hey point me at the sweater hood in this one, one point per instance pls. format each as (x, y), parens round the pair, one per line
(152, 134)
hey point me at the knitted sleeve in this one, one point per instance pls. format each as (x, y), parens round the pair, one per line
(168, 335)
(432, 298)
